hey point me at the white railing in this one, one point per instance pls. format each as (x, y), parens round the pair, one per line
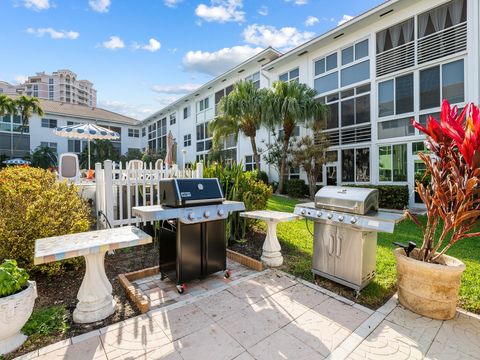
(396, 59)
(119, 189)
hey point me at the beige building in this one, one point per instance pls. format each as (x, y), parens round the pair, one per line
(61, 85)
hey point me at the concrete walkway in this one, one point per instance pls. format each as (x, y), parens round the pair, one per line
(271, 315)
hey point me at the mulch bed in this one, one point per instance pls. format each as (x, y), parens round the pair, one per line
(62, 290)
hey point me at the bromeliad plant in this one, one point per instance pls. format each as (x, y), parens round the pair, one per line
(453, 166)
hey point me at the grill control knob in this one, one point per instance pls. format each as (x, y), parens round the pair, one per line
(353, 220)
(319, 213)
(340, 218)
(220, 212)
(191, 216)
(330, 215)
(302, 212)
(206, 214)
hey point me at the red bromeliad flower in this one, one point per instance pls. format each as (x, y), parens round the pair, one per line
(465, 133)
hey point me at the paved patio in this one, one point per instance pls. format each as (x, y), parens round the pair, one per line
(271, 315)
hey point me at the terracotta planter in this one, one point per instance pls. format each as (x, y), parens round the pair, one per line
(429, 289)
(14, 313)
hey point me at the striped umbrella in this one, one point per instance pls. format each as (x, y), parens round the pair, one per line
(16, 161)
(86, 132)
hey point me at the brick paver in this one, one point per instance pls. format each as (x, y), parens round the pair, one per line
(271, 315)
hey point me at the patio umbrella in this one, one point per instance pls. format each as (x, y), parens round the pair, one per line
(169, 155)
(16, 161)
(87, 132)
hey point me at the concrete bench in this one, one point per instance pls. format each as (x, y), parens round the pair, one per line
(95, 300)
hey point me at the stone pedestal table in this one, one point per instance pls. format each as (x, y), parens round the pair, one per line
(95, 300)
(271, 255)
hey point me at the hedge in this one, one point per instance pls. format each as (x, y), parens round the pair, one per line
(296, 188)
(390, 196)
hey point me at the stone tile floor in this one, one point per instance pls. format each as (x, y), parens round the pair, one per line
(161, 293)
(271, 315)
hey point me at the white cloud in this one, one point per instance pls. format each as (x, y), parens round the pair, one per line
(217, 62)
(37, 5)
(298, 2)
(221, 11)
(311, 20)
(54, 34)
(20, 79)
(113, 44)
(138, 112)
(176, 88)
(344, 19)
(171, 3)
(263, 10)
(284, 38)
(152, 46)
(101, 6)
(166, 100)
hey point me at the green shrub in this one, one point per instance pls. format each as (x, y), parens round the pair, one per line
(46, 322)
(34, 205)
(390, 196)
(262, 175)
(239, 185)
(296, 188)
(12, 278)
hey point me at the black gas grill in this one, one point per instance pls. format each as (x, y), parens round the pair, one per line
(192, 236)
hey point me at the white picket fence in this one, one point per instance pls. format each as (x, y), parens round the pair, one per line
(119, 189)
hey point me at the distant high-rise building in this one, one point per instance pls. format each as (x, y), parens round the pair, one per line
(61, 85)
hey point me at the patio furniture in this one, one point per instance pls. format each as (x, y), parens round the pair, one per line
(95, 301)
(159, 164)
(68, 167)
(271, 255)
(135, 165)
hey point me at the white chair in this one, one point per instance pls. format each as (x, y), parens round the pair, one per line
(68, 167)
(135, 165)
(159, 164)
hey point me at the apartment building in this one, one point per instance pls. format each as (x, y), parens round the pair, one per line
(17, 143)
(61, 85)
(393, 63)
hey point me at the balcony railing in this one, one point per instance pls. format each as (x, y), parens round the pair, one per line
(395, 59)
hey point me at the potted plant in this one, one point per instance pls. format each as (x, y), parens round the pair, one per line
(17, 298)
(428, 279)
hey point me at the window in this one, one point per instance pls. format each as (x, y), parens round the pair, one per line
(144, 131)
(203, 104)
(295, 132)
(419, 147)
(220, 94)
(441, 18)
(291, 75)
(173, 119)
(395, 96)
(187, 140)
(356, 165)
(326, 64)
(255, 78)
(133, 132)
(186, 112)
(51, 145)
(162, 134)
(35, 90)
(204, 139)
(395, 36)
(355, 73)
(355, 52)
(355, 110)
(392, 162)
(445, 83)
(395, 128)
(49, 123)
(326, 83)
(249, 163)
(76, 146)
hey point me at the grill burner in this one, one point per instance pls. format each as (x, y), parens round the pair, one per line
(192, 239)
(346, 222)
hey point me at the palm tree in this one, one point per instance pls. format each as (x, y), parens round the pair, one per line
(291, 104)
(7, 105)
(26, 107)
(240, 112)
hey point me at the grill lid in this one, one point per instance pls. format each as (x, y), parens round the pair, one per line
(184, 192)
(347, 199)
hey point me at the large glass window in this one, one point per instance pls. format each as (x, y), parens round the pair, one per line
(326, 83)
(393, 163)
(291, 75)
(442, 17)
(204, 139)
(452, 82)
(395, 96)
(356, 165)
(385, 98)
(355, 52)
(394, 36)
(430, 88)
(355, 110)
(326, 64)
(355, 73)
(395, 128)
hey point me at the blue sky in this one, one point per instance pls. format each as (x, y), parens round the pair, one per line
(143, 54)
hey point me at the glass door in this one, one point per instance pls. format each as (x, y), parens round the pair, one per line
(331, 174)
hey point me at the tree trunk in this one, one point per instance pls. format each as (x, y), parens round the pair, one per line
(283, 164)
(256, 155)
(312, 184)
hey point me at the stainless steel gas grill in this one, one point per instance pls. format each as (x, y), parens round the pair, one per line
(346, 222)
(191, 218)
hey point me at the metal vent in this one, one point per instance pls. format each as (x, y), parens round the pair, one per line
(396, 59)
(442, 43)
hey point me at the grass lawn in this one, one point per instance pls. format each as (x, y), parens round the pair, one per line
(297, 244)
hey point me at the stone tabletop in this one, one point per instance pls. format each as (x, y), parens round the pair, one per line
(268, 215)
(91, 242)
